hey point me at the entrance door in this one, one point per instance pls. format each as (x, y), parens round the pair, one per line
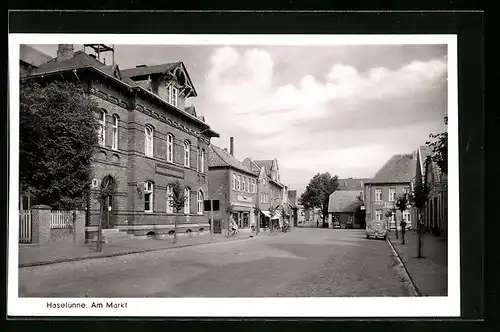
(245, 221)
(107, 216)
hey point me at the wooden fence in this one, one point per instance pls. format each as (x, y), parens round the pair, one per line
(60, 219)
(25, 226)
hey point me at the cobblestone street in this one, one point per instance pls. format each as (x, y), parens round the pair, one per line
(305, 262)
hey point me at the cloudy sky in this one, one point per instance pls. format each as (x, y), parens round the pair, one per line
(338, 109)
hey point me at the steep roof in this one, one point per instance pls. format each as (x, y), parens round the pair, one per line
(352, 183)
(424, 152)
(33, 56)
(268, 164)
(149, 70)
(249, 163)
(344, 201)
(399, 169)
(220, 158)
(80, 59)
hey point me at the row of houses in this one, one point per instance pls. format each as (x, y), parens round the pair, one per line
(149, 137)
(358, 201)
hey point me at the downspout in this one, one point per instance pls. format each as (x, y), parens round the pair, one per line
(78, 78)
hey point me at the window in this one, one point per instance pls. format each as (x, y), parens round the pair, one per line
(407, 216)
(243, 188)
(392, 195)
(148, 146)
(202, 161)
(378, 194)
(391, 219)
(234, 182)
(378, 214)
(253, 187)
(198, 160)
(114, 144)
(345, 184)
(169, 199)
(187, 203)
(170, 148)
(102, 128)
(239, 182)
(264, 180)
(172, 95)
(186, 154)
(200, 202)
(148, 196)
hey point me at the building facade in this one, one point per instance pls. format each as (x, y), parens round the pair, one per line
(147, 140)
(235, 186)
(262, 199)
(435, 212)
(276, 190)
(344, 207)
(394, 178)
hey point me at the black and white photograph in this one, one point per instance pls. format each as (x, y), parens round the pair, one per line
(233, 175)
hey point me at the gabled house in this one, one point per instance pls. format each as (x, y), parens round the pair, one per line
(233, 184)
(147, 139)
(342, 208)
(262, 199)
(276, 188)
(394, 178)
(352, 184)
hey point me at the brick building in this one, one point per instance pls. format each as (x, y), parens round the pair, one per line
(351, 184)
(276, 189)
(262, 198)
(394, 178)
(148, 138)
(233, 184)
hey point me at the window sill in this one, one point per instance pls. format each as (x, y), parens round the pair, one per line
(149, 212)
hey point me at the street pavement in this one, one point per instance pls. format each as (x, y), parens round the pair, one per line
(305, 262)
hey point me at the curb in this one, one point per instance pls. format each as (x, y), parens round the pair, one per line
(411, 285)
(123, 253)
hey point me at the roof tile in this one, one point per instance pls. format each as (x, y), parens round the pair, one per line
(344, 201)
(399, 169)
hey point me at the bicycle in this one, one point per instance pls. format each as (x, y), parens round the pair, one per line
(231, 232)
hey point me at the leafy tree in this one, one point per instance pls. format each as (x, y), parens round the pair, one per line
(418, 199)
(439, 147)
(177, 200)
(401, 203)
(318, 192)
(58, 138)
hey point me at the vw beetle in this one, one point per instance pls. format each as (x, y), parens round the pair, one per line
(376, 229)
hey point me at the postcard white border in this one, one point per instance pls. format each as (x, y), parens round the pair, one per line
(232, 307)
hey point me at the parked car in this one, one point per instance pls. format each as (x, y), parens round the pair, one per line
(376, 229)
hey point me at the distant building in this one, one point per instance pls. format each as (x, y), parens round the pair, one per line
(394, 178)
(294, 207)
(352, 184)
(233, 184)
(343, 206)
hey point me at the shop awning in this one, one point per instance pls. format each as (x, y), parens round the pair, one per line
(266, 213)
(276, 216)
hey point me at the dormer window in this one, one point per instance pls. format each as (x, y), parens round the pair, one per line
(173, 93)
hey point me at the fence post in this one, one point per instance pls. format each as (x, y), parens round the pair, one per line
(40, 218)
(79, 217)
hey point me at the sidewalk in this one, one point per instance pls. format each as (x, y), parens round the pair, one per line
(429, 274)
(63, 251)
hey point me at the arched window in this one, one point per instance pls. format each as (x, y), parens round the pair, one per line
(148, 196)
(169, 199)
(114, 144)
(148, 146)
(186, 154)
(202, 161)
(170, 148)
(187, 203)
(200, 202)
(102, 128)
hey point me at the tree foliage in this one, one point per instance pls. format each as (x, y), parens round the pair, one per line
(177, 199)
(420, 195)
(58, 138)
(439, 147)
(318, 192)
(402, 202)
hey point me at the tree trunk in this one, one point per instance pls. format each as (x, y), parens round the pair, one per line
(396, 224)
(419, 233)
(258, 224)
(176, 222)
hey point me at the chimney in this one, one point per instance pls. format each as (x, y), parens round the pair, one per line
(64, 52)
(231, 146)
